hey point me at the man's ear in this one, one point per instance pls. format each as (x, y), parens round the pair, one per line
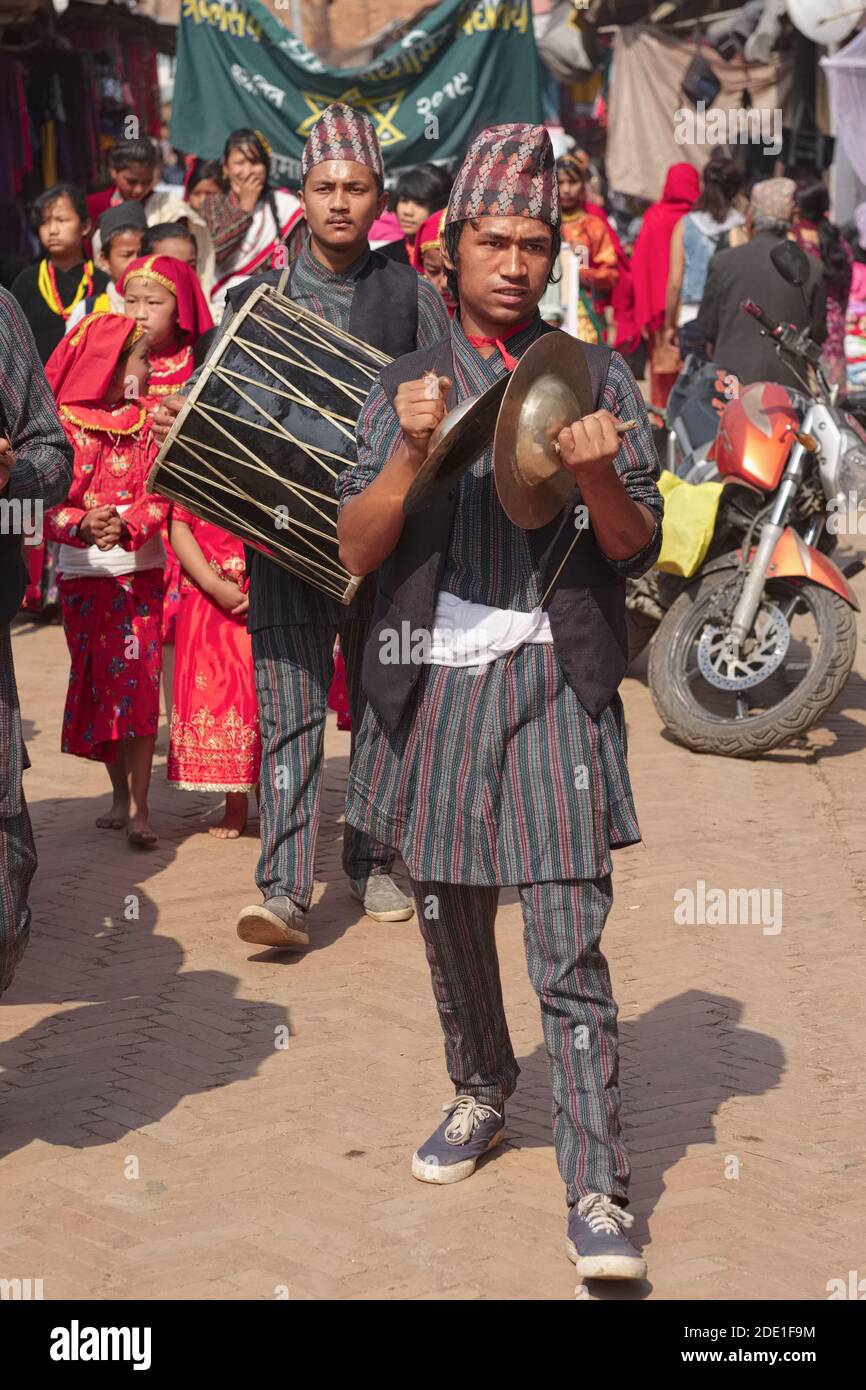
(382, 205)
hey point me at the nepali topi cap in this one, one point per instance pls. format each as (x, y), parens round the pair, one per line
(775, 198)
(125, 217)
(341, 132)
(509, 171)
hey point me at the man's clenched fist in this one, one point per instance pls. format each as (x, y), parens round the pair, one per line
(420, 407)
(590, 445)
(164, 417)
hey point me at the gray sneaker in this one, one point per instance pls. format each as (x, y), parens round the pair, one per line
(382, 899)
(276, 922)
(596, 1242)
(452, 1151)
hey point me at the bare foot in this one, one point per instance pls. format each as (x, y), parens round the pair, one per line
(234, 820)
(139, 833)
(116, 818)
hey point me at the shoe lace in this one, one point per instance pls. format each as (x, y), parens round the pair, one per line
(467, 1114)
(602, 1214)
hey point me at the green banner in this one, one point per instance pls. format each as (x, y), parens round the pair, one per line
(463, 66)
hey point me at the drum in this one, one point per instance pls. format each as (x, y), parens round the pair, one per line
(265, 432)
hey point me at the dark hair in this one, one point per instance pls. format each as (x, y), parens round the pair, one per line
(126, 152)
(722, 180)
(71, 191)
(812, 201)
(161, 231)
(427, 184)
(122, 231)
(247, 139)
(204, 169)
(451, 240)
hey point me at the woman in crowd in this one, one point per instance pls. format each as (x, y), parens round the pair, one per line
(111, 562)
(821, 238)
(650, 263)
(590, 236)
(253, 220)
(714, 223)
(204, 179)
(419, 193)
(214, 743)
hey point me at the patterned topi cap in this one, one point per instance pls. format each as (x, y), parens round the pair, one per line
(343, 133)
(775, 198)
(509, 171)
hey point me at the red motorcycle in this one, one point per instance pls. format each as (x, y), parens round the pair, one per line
(754, 649)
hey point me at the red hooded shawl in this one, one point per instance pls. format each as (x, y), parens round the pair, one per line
(651, 256)
(193, 313)
(82, 366)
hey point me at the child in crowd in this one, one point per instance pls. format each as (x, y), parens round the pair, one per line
(204, 179)
(49, 291)
(111, 562)
(134, 167)
(171, 239)
(164, 297)
(419, 193)
(427, 258)
(121, 240)
(215, 720)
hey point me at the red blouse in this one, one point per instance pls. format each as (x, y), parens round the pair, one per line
(114, 452)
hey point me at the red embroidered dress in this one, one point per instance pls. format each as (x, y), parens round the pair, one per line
(112, 620)
(215, 742)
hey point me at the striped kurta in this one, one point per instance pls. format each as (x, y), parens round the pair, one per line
(497, 774)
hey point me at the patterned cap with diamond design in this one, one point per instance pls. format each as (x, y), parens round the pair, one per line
(509, 171)
(341, 132)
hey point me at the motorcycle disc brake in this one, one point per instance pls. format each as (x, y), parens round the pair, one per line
(745, 669)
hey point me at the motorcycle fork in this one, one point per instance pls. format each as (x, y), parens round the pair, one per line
(750, 599)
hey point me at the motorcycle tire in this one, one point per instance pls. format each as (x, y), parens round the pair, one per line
(750, 738)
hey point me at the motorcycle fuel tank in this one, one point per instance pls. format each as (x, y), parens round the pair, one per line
(756, 433)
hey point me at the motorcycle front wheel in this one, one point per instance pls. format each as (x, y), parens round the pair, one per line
(781, 687)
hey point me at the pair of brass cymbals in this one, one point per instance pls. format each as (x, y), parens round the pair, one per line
(523, 413)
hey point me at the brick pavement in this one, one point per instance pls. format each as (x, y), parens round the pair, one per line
(183, 1117)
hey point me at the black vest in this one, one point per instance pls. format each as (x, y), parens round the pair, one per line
(13, 577)
(586, 607)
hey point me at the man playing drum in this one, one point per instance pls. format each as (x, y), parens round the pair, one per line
(508, 767)
(338, 277)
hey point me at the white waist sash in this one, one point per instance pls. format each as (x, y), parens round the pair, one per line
(93, 563)
(473, 634)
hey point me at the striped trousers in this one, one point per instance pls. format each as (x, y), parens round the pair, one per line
(562, 926)
(294, 666)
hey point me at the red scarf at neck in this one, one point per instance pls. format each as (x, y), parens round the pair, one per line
(478, 340)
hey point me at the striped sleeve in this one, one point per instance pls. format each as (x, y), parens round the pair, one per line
(636, 463)
(433, 320)
(28, 415)
(377, 434)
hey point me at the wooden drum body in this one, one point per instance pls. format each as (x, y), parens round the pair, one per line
(265, 431)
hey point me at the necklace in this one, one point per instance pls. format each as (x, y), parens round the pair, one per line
(47, 284)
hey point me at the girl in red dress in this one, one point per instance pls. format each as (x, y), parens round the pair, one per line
(215, 719)
(111, 562)
(164, 296)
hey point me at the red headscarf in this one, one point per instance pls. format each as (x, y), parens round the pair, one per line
(193, 314)
(651, 256)
(82, 366)
(429, 234)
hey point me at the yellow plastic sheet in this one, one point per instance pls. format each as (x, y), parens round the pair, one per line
(689, 522)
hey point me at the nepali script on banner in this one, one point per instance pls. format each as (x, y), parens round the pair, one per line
(463, 66)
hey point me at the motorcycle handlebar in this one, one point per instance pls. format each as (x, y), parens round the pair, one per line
(755, 311)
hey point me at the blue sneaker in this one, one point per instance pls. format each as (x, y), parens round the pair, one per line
(452, 1151)
(596, 1243)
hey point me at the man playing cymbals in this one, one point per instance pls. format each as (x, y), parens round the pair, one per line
(494, 754)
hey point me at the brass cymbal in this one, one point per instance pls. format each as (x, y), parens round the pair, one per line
(454, 446)
(548, 389)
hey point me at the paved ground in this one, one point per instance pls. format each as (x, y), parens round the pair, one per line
(183, 1117)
